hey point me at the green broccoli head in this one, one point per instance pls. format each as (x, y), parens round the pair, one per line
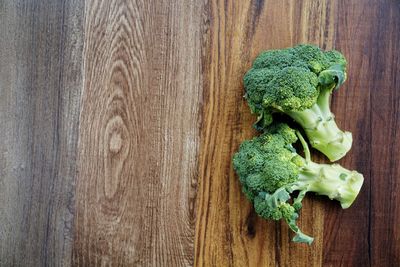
(270, 169)
(293, 88)
(274, 206)
(298, 81)
(270, 162)
(305, 63)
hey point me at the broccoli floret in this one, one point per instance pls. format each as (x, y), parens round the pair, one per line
(270, 170)
(299, 81)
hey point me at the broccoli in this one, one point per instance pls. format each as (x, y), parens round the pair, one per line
(270, 170)
(298, 81)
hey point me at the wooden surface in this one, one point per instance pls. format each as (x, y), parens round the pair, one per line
(40, 87)
(138, 137)
(119, 120)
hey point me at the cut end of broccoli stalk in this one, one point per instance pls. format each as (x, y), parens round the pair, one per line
(331, 180)
(323, 133)
(330, 140)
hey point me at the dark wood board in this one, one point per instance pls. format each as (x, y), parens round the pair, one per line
(119, 120)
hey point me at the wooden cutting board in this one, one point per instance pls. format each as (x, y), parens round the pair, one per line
(119, 120)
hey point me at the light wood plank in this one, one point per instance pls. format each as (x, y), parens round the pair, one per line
(139, 134)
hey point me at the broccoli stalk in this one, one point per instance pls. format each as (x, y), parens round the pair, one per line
(270, 170)
(331, 180)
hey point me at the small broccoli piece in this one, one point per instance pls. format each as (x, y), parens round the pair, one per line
(299, 81)
(270, 170)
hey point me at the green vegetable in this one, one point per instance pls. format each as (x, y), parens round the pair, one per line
(299, 81)
(270, 170)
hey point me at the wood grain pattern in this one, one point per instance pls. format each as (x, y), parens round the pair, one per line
(234, 43)
(352, 107)
(119, 120)
(40, 85)
(138, 134)
(370, 232)
(384, 201)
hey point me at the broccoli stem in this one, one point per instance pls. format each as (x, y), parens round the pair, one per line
(321, 129)
(300, 237)
(324, 100)
(303, 142)
(330, 180)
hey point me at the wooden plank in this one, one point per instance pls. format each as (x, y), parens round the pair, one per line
(370, 235)
(139, 134)
(346, 234)
(40, 85)
(384, 230)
